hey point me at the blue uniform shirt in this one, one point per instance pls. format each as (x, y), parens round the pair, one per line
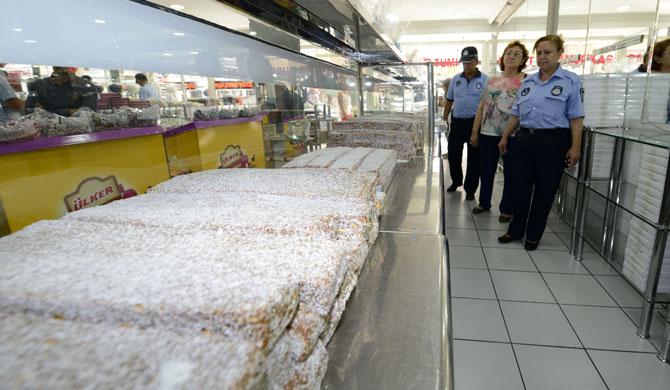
(148, 92)
(466, 95)
(551, 104)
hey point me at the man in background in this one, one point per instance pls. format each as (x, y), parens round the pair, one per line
(10, 104)
(63, 93)
(148, 91)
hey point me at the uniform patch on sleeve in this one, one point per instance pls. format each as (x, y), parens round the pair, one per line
(557, 90)
(479, 85)
(525, 91)
(458, 83)
(581, 93)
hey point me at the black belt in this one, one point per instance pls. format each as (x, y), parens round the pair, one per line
(462, 119)
(545, 131)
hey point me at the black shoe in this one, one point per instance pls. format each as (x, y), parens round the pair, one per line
(470, 197)
(452, 188)
(479, 210)
(506, 238)
(504, 218)
(530, 246)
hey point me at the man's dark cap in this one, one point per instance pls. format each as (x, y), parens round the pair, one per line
(468, 54)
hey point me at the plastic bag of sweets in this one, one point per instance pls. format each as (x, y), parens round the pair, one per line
(206, 114)
(21, 130)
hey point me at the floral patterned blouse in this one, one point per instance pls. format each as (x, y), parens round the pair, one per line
(499, 96)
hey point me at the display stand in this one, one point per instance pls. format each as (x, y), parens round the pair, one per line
(46, 178)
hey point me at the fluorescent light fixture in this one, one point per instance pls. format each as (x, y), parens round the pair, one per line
(506, 12)
(253, 33)
(178, 34)
(623, 8)
(274, 75)
(367, 83)
(100, 21)
(167, 54)
(29, 41)
(178, 7)
(352, 84)
(17, 29)
(194, 52)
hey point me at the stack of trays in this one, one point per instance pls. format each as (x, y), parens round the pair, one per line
(657, 96)
(604, 99)
(641, 237)
(220, 279)
(401, 133)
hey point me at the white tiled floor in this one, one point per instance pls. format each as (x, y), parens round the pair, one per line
(541, 320)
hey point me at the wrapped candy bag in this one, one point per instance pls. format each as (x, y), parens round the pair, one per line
(21, 130)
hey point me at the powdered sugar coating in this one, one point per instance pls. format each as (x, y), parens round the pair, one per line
(352, 159)
(402, 142)
(291, 375)
(382, 162)
(303, 159)
(312, 183)
(39, 353)
(237, 212)
(327, 157)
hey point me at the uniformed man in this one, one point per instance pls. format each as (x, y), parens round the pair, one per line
(550, 109)
(464, 95)
(63, 93)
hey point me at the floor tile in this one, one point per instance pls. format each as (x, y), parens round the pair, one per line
(462, 237)
(625, 371)
(489, 239)
(605, 328)
(550, 241)
(487, 221)
(471, 283)
(509, 259)
(466, 257)
(621, 291)
(557, 261)
(521, 286)
(546, 368)
(538, 323)
(483, 366)
(597, 265)
(456, 209)
(476, 319)
(578, 290)
(459, 222)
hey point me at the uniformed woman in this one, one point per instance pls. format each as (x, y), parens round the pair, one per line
(550, 109)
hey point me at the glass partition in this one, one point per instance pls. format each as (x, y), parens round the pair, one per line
(190, 64)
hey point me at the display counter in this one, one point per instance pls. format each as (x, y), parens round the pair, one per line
(393, 333)
(46, 178)
(224, 143)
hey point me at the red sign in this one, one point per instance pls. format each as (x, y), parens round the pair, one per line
(233, 84)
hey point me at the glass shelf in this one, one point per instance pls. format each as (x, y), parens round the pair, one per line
(626, 200)
(658, 138)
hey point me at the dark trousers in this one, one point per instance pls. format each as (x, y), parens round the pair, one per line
(460, 132)
(538, 160)
(488, 164)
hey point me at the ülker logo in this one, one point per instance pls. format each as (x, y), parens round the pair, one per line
(95, 191)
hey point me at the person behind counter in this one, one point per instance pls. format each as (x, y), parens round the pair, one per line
(499, 95)
(550, 109)
(10, 104)
(148, 91)
(63, 93)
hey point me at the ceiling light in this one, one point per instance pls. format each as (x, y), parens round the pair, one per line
(392, 18)
(253, 33)
(17, 29)
(623, 8)
(167, 54)
(367, 83)
(352, 84)
(178, 7)
(29, 41)
(100, 21)
(274, 75)
(194, 52)
(178, 34)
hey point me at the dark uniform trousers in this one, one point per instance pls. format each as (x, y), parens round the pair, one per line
(460, 132)
(538, 159)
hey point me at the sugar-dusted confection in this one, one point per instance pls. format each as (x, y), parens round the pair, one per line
(350, 281)
(291, 375)
(312, 183)
(303, 333)
(382, 162)
(402, 142)
(236, 212)
(178, 280)
(327, 157)
(303, 159)
(352, 159)
(44, 353)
